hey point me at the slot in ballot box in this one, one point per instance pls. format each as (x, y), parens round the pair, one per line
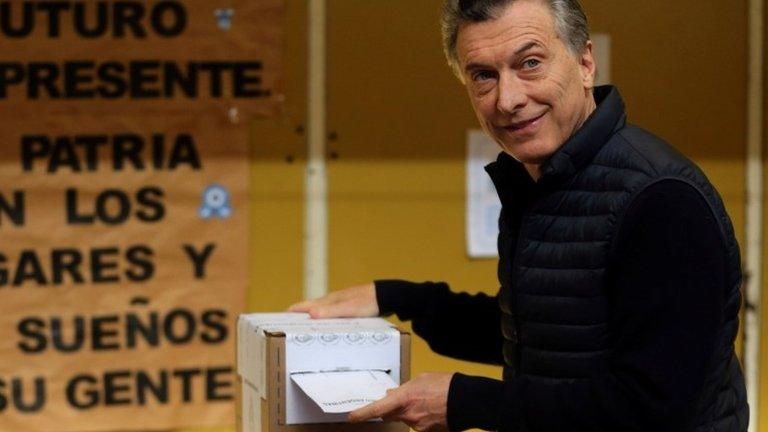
(296, 374)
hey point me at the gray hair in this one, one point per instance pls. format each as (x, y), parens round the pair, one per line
(569, 19)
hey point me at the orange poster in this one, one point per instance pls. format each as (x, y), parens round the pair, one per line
(124, 218)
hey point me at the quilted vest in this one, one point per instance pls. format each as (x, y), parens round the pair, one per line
(555, 248)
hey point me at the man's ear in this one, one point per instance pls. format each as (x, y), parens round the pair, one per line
(587, 66)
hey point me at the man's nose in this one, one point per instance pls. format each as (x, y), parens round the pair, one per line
(511, 96)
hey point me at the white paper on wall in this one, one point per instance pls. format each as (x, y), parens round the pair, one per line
(483, 204)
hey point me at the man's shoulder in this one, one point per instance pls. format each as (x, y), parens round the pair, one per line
(647, 152)
(660, 166)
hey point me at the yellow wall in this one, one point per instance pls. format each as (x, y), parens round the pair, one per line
(763, 398)
(396, 166)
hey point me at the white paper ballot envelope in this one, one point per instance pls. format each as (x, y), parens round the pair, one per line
(344, 391)
(309, 372)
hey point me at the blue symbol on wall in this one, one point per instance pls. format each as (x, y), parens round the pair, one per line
(215, 203)
(224, 18)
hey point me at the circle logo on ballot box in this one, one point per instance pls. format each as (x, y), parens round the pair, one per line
(354, 338)
(329, 338)
(303, 339)
(381, 338)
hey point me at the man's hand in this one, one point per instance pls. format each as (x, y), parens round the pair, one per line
(420, 403)
(356, 301)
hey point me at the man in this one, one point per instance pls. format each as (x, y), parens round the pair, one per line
(618, 266)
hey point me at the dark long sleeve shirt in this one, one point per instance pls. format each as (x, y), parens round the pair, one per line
(667, 291)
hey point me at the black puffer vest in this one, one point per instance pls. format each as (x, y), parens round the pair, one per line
(556, 245)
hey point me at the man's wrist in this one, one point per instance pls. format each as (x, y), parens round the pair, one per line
(474, 402)
(404, 298)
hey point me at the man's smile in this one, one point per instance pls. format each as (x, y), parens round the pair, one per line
(528, 125)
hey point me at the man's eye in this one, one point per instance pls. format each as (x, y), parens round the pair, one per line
(482, 76)
(531, 63)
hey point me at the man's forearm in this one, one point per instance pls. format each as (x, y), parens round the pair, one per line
(458, 325)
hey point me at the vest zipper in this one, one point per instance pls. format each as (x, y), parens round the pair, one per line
(513, 284)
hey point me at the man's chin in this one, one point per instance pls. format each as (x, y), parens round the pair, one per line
(528, 158)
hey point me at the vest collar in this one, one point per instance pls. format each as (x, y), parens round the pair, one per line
(573, 155)
(583, 145)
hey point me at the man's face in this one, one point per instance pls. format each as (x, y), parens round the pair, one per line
(528, 90)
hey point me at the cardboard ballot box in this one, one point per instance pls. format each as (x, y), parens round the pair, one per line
(296, 374)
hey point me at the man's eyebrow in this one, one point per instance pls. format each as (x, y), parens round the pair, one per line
(526, 47)
(472, 66)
